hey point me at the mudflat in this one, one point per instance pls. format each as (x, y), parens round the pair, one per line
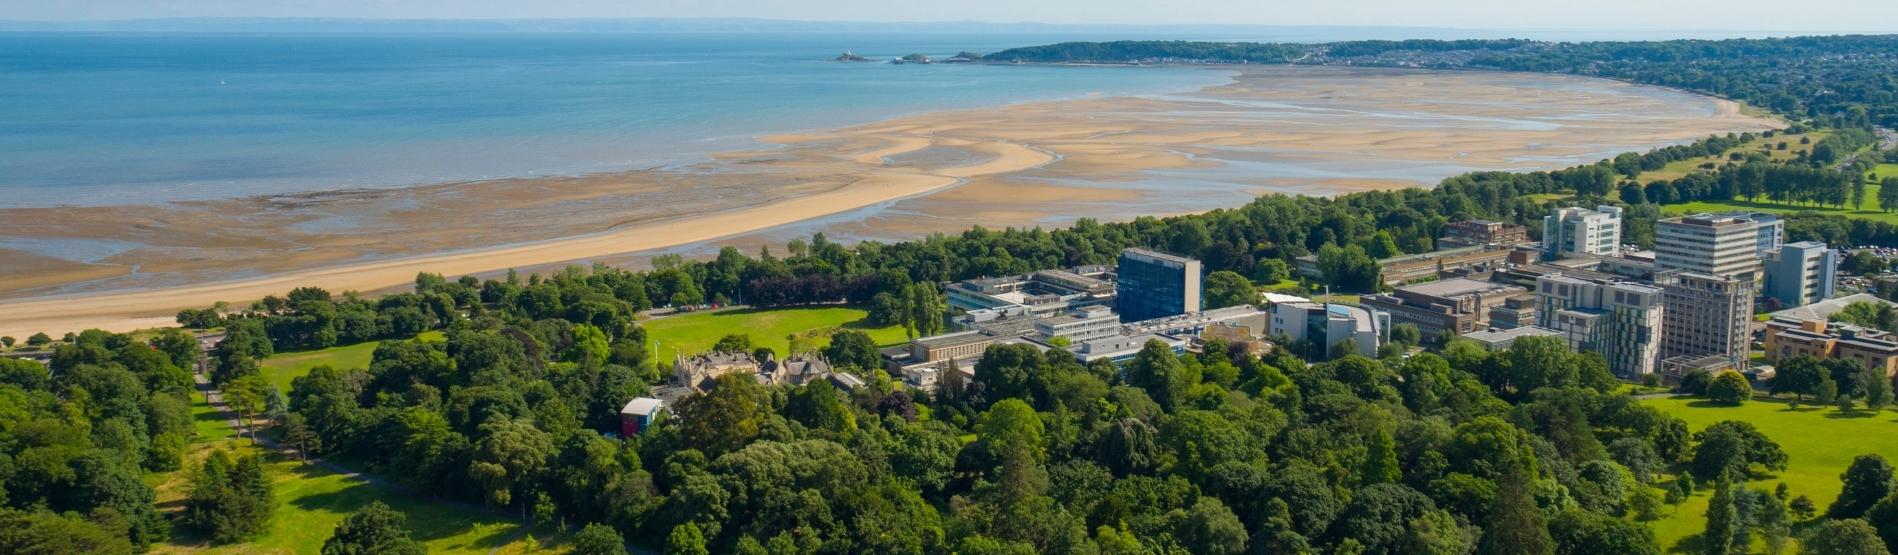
(1293, 130)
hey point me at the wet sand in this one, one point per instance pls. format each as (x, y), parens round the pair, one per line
(1291, 130)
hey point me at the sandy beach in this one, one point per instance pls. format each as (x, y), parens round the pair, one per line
(1290, 130)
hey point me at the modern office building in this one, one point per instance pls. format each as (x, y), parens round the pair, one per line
(1725, 245)
(1621, 320)
(1497, 340)
(1515, 312)
(1041, 294)
(1706, 315)
(1331, 324)
(1457, 306)
(1581, 231)
(1802, 273)
(1474, 233)
(1788, 337)
(1412, 268)
(1155, 285)
(1079, 325)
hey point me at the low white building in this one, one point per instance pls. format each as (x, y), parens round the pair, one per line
(1331, 324)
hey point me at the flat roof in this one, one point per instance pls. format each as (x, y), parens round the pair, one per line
(1495, 335)
(1454, 287)
(1156, 254)
(1434, 254)
(1823, 310)
(953, 339)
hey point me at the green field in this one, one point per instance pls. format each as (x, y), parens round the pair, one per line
(1680, 168)
(1819, 444)
(283, 367)
(1869, 211)
(311, 500)
(694, 333)
(1881, 172)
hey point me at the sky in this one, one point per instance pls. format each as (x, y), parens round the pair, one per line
(1878, 16)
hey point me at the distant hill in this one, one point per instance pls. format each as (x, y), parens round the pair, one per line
(1843, 81)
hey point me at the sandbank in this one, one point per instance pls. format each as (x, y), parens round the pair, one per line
(1292, 130)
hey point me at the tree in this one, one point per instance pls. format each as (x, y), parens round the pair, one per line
(1883, 517)
(374, 529)
(1226, 288)
(38, 339)
(1772, 520)
(597, 539)
(245, 396)
(733, 343)
(1797, 375)
(1729, 388)
(1377, 517)
(853, 349)
(1209, 527)
(508, 458)
(1844, 537)
(685, 539)
(926, 309)
(1888, 194)
(723, 419)
(1515, 524)
(1010, 434)
(1156, 370)
(229, 500)
(1732, 445)
(1406, 334)
(298, 435)
(43, 532)
(1722, 520)
(1803, 508)
(1875, 388)
(1380, 463)
(1866, 481)
(1578, 532)
(7, 341)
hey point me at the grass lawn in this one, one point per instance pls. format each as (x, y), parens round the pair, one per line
(1680, 168)
(280, 368)
(1880, 173)
(696, 332)
(1819, 444)
(1869, 211)
(312, 500)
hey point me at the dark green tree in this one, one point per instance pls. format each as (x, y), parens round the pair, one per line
(1723, 520)
(1866, 481)
(685, 539)
(1849, 536)
(1227, 288)
(1515, 524)
(597, 539)
(374, 529)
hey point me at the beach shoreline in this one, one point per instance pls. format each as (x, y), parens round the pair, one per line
(1015, 164)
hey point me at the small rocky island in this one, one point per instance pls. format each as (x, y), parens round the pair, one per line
(849, 57)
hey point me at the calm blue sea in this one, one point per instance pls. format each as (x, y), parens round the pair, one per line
(90, 119)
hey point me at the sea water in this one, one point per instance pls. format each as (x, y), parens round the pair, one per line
(93, 119)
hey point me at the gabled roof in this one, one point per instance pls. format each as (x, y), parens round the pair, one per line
(643, 406)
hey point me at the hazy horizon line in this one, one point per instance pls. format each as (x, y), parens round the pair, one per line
(13, 25)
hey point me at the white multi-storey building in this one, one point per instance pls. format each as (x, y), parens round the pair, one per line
(1802, 273)
(1580, 230)
(1726, 245)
